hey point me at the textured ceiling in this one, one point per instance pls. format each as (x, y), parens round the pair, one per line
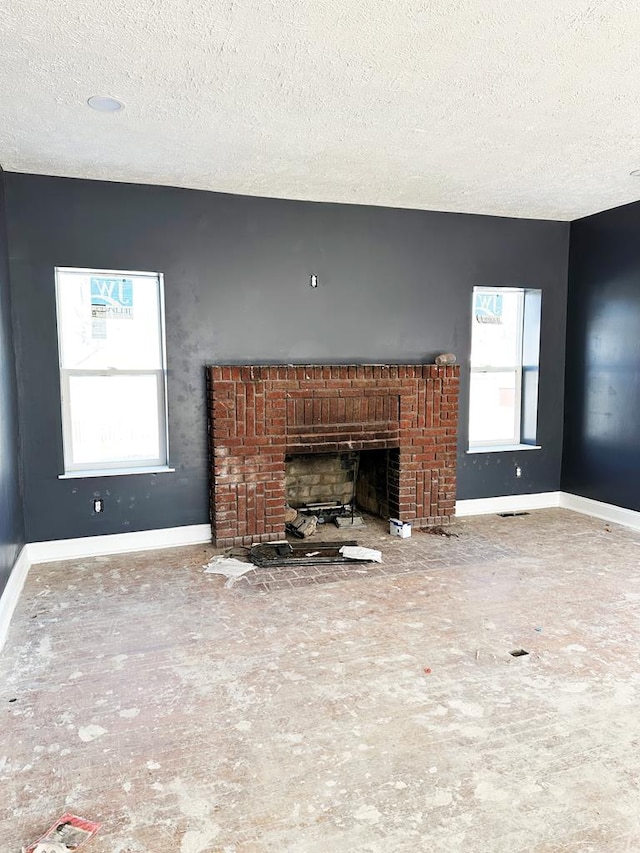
(507, 107)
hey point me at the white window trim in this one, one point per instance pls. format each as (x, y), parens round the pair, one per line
(503, 448)
(120, 472)
(512, 443)
(159, 464)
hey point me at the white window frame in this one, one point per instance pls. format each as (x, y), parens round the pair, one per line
(149, 465)
(515, 439)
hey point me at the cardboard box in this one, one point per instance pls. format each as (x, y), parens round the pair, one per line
(398, 528)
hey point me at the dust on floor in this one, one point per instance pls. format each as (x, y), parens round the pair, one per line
(377, 713)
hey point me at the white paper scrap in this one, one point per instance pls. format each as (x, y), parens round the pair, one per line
(357, 552)
(231, 568)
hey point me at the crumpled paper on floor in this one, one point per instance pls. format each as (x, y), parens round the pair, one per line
(229, 567)
(358, 552)
(50, 847)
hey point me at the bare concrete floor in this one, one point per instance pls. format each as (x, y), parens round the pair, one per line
(188, 717)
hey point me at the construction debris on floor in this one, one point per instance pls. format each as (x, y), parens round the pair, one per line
(231, 568)
(69, 832)
(272, 554)
(439, 531)
(303, 522)
(357, 552)
(283, 553)
(303, 526)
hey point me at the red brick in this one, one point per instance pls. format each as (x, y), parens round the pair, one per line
(329, 408)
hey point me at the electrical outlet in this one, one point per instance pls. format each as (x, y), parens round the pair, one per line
(518, 471)
(98, 505)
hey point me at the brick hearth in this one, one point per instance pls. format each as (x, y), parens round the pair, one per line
(260, 413)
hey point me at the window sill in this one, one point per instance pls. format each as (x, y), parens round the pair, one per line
(502, 448)
(115, 472)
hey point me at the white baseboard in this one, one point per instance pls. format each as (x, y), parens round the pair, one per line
(544, 500)
(597, 509)
(507, 503)
(11, 592)
(118, 543)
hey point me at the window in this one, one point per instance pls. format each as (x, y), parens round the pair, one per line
(503, 393)
(112, 371)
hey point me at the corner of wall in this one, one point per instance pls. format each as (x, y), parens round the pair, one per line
(12, 536)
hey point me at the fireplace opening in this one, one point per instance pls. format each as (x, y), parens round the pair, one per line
(316, 478)
(366, 479)
(378, 482)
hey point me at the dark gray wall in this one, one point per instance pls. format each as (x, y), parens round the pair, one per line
(602, 446)
(395, 285)
(11, 521)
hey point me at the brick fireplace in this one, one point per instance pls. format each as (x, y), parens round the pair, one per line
(261, 414)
